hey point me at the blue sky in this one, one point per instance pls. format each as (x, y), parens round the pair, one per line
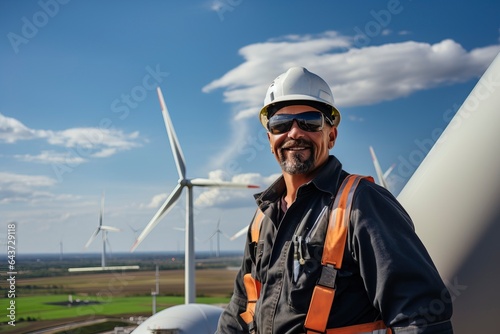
(79, 113)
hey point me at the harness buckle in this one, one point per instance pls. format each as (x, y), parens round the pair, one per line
(328, 276)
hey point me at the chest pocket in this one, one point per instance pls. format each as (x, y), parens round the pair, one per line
(306, 263)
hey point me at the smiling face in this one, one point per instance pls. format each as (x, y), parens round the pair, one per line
(299, 151)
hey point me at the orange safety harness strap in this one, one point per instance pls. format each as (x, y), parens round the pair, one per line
(252, 286)
(333, 252)
(255, 228)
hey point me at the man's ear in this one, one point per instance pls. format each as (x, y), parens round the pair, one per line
(332, 137)
(270, 145)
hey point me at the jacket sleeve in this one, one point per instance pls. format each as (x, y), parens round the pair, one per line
(230, 321)
(399, 275)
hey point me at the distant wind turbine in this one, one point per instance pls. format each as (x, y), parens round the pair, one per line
(134, 230)
(60, 250)
(217, 233)
(382, 177)
(174, 196)
(104, 234)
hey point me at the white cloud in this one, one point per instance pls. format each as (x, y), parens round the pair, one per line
(355, 118)
(221, 197)
(83, 142)
(51, 157)
(104, 153)
(358, 76)
(93, 138)
(156, 201)
(11, 130)
(21, 187)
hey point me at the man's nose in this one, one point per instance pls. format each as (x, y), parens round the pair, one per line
(295, 130)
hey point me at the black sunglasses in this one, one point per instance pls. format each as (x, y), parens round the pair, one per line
(310, 121)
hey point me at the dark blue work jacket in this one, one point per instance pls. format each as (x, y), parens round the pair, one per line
(386, 274)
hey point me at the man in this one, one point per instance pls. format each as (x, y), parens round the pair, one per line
(386, 278)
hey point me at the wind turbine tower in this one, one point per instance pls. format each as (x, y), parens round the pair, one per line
(60, 250)
(174, 196)
(156, 292)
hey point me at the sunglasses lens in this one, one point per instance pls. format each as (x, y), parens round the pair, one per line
(279, 124)
(311, 121)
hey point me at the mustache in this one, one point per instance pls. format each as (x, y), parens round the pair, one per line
(294, 143)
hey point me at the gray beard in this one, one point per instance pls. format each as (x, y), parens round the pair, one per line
(295, 165)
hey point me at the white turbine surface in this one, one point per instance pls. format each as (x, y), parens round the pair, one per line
(453, 198)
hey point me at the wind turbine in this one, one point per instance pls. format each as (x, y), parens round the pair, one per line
(217, 233)
(134, 230)
(61, 250)
(174, 196)
(104, 234)
(382, 177)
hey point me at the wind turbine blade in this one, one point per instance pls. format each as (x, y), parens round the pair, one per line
(380, 175)
(167, 205)
(102, 209)
(110, 228)
(211, 236)
(212, 183)
(174, 142)
(387, 172)
(453, 199)
(92, 237)
(239, 233)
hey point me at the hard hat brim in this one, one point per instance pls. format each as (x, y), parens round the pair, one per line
(263, 115)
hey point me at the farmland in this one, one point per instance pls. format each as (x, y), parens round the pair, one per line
(47, 294)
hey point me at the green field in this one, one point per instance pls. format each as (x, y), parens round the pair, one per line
(115, 296)
(36, 310)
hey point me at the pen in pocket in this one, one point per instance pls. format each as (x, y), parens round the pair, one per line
(298, 256)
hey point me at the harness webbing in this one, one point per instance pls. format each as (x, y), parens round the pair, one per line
(252, 286)
(333, 252)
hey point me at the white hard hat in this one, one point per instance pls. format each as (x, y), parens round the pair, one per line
(301, 86)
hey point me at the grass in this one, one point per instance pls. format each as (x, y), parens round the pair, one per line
(107, 326)
(38, 307)
(110, 295)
